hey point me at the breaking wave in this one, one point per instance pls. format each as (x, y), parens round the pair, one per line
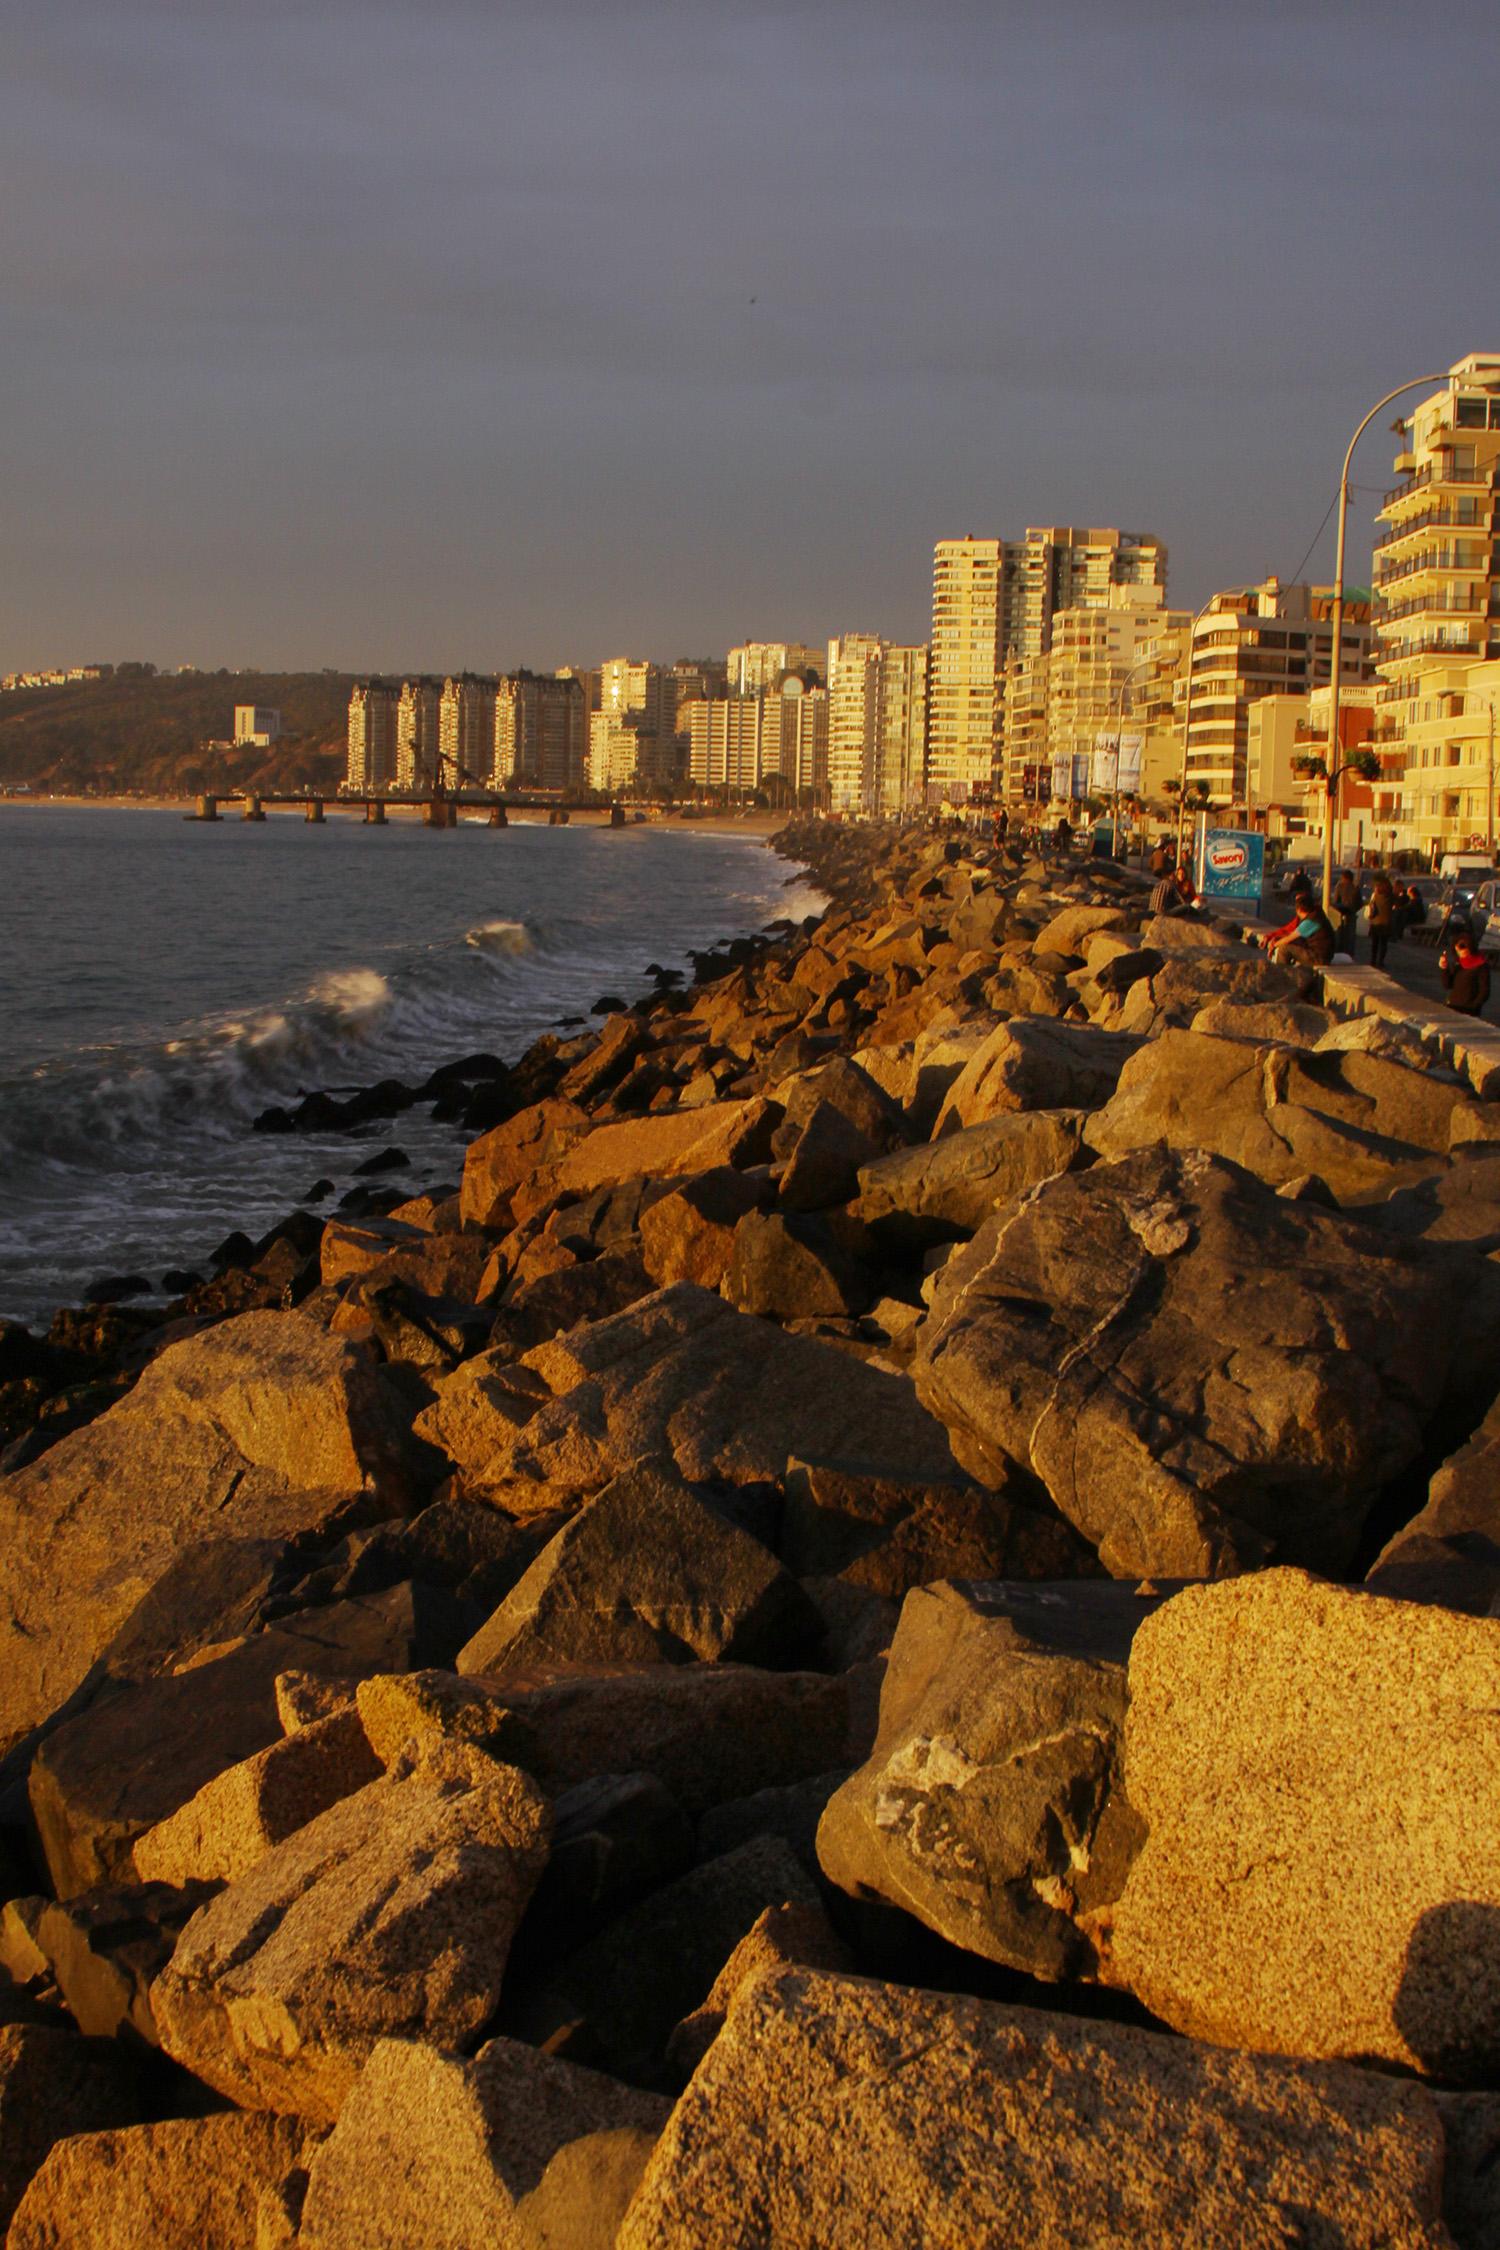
(500, 936)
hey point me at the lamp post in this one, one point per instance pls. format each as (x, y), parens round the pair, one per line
(1335, 769)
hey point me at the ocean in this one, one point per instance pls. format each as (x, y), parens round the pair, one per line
(162, 981)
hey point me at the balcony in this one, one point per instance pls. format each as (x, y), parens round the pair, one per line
(1452, 605)
(1439, 560)
(1447, 519)
(1433, 644)
(1436, 473)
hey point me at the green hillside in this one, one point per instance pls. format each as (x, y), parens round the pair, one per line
(143, 735)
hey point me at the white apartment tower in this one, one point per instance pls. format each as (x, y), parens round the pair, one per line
(758, 666)
(1260, 640)
(877, 724)
(417, 713)
(541, 731)
(1437, 587)
(963, 700)
(466, 727)
(633, 732)
(373, 708)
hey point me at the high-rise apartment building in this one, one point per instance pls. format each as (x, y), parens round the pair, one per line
(1259, 640)
(804, 742)
(466, 727)
(776, 742)
(993, 606)
(733, 740)
(877, 724)
(541, 731)
(633, 740)
(417, 733)
(963, 696)
(756, 666)
(1067, 567)
(1437, 583)
(373, 707)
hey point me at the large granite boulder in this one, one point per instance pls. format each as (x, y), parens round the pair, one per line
(498, 1162)
(236, 1818)
(886, 1538)
(52, 2085)
(946, 1189)
(137, 1750)
(512, 2150)
(1032, 1062)
(724, 1394)
(186, 2183)
(389, 1916)
(688, 1235)
(990, 1805)
(1204, 1374)
(1282, 1113)
(668, 1145)
(834, 2110)
(649, 1572)
(244, 1429)
(616, 2000)
(1450, 1550)
(1314, 1767)
(708, 1733)
(1458, 1202)
(103, 1950)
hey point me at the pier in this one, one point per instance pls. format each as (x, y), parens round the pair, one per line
(436, 809)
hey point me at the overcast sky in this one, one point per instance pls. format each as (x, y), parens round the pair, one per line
(390, 335)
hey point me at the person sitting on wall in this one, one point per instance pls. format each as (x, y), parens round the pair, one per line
(1307, 940)
(1176, 893)
(1465, 972)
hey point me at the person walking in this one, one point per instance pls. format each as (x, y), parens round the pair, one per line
(1382, 920)
(1414, 910)
(1465, 973)
(1346, 905)
(1062, 835)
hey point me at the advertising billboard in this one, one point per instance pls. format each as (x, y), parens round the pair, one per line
(1116, 762)
(1231, 863)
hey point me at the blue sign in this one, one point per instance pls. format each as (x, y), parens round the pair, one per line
(1231, 863)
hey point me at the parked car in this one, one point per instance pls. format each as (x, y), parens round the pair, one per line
(1483, 910)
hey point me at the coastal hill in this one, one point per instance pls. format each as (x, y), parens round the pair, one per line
(140, 733)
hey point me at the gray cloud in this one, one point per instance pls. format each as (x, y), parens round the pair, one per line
(395, 333)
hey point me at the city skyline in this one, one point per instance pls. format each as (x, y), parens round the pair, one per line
(375, 337)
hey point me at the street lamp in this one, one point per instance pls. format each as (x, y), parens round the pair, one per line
(1335, 769)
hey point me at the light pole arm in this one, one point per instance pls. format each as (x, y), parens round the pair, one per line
(1335, 667)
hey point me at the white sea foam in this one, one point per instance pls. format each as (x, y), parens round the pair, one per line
(500, 936)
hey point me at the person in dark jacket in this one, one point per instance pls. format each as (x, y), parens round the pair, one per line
(1465, 973)
(1382, 920)
(1346, 903)
(1414, 910)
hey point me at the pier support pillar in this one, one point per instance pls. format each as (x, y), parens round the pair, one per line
(208, 809)
(315, 808)
(440, 814)
(617, 816)
(499, 817)
(375, 812)
(254, 809)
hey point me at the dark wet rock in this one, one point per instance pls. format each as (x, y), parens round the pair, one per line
(991, 1806)
(1203, 1373)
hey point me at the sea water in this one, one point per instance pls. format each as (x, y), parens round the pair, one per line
(163, 981)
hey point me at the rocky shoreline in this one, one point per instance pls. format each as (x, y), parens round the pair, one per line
(879, 1630)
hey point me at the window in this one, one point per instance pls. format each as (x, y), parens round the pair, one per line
(1469, 413)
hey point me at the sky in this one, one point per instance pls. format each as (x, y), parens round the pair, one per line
(392, 336)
